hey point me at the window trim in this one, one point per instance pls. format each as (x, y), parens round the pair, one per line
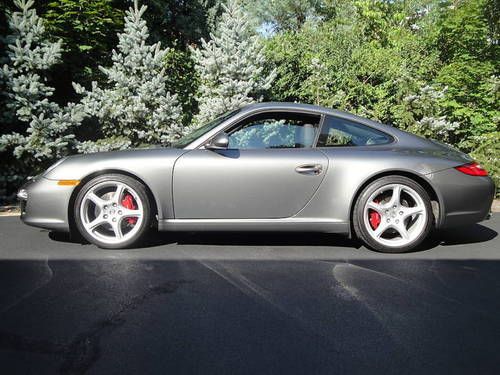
(390, 137)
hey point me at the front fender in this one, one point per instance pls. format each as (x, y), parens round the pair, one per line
(154, 167)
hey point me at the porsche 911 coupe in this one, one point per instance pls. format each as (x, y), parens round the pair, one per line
(267, 167)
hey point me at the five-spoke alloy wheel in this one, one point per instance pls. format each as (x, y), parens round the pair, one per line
(393, 214)
(112, 211)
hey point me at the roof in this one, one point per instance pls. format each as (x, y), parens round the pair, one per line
(289, 106)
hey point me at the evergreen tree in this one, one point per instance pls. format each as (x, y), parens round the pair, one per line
(136, 107)
(36, 129)
(230, 65)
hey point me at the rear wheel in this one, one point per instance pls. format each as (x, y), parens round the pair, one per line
(393, 214)
(113, 211)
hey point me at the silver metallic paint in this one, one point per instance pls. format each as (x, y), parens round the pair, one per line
(47, 204)
(197, 189)
(244, 184)
(152, 166)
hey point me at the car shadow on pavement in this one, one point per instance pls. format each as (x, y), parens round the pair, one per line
(467, 235)
(455, 236)
(231, 239)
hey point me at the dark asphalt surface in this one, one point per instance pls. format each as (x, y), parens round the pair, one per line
(249, 304)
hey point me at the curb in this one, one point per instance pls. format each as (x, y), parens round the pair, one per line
(495, 207)
(8, 214)
(9, 211)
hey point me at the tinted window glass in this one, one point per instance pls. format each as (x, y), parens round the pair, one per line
(275, 130)
(337, 132)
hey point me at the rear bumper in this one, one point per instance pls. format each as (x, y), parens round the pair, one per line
(44, 204)
(464, 199)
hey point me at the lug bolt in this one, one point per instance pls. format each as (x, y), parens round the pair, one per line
(105, 216)
(393, 206)
(386, 211)
(105, 207)
(388, 220)
(397, 221)
(114, 204)
(114, 219)
(401, 212)
(119, 212)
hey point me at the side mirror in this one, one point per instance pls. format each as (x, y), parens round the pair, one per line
(220, 142)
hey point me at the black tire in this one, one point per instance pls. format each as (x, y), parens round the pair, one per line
(141, 191)
(358, 216)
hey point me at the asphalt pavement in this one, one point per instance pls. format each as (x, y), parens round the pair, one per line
(249, 303)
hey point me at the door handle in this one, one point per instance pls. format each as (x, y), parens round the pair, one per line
(313, 169)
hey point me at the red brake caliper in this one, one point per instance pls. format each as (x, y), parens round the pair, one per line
(128, 202)
(374, 218)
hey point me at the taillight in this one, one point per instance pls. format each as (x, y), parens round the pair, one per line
(472, 169)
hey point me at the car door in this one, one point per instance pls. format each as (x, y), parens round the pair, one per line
(270, 170)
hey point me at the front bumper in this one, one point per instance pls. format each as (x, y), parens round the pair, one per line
(464, 199)
(44, 204)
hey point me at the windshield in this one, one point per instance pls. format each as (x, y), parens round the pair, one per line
(191, 137)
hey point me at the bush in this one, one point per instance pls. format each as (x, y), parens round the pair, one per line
(487, 153)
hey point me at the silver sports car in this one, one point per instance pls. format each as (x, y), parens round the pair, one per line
(267, 167)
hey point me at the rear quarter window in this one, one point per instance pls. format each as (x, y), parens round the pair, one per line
(338, 132)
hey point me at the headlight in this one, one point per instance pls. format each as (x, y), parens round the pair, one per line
(53, 166)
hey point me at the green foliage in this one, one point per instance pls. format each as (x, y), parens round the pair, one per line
(135, 103)
(35, 129)
(464, 31)
(230, 66)
(426, 115)
(487, 152)
(180, 23)
(183, 80)
(39, 129)
(284, 15)
(345, 63)
(110, 143)
(87, 29)
(469, 50)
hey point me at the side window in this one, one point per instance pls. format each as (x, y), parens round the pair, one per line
(275, 130)
(337, 132)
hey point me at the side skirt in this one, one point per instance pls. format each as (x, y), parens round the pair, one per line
(258, 225)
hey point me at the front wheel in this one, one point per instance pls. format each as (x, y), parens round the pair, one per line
(393, 214)
(113, 211)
